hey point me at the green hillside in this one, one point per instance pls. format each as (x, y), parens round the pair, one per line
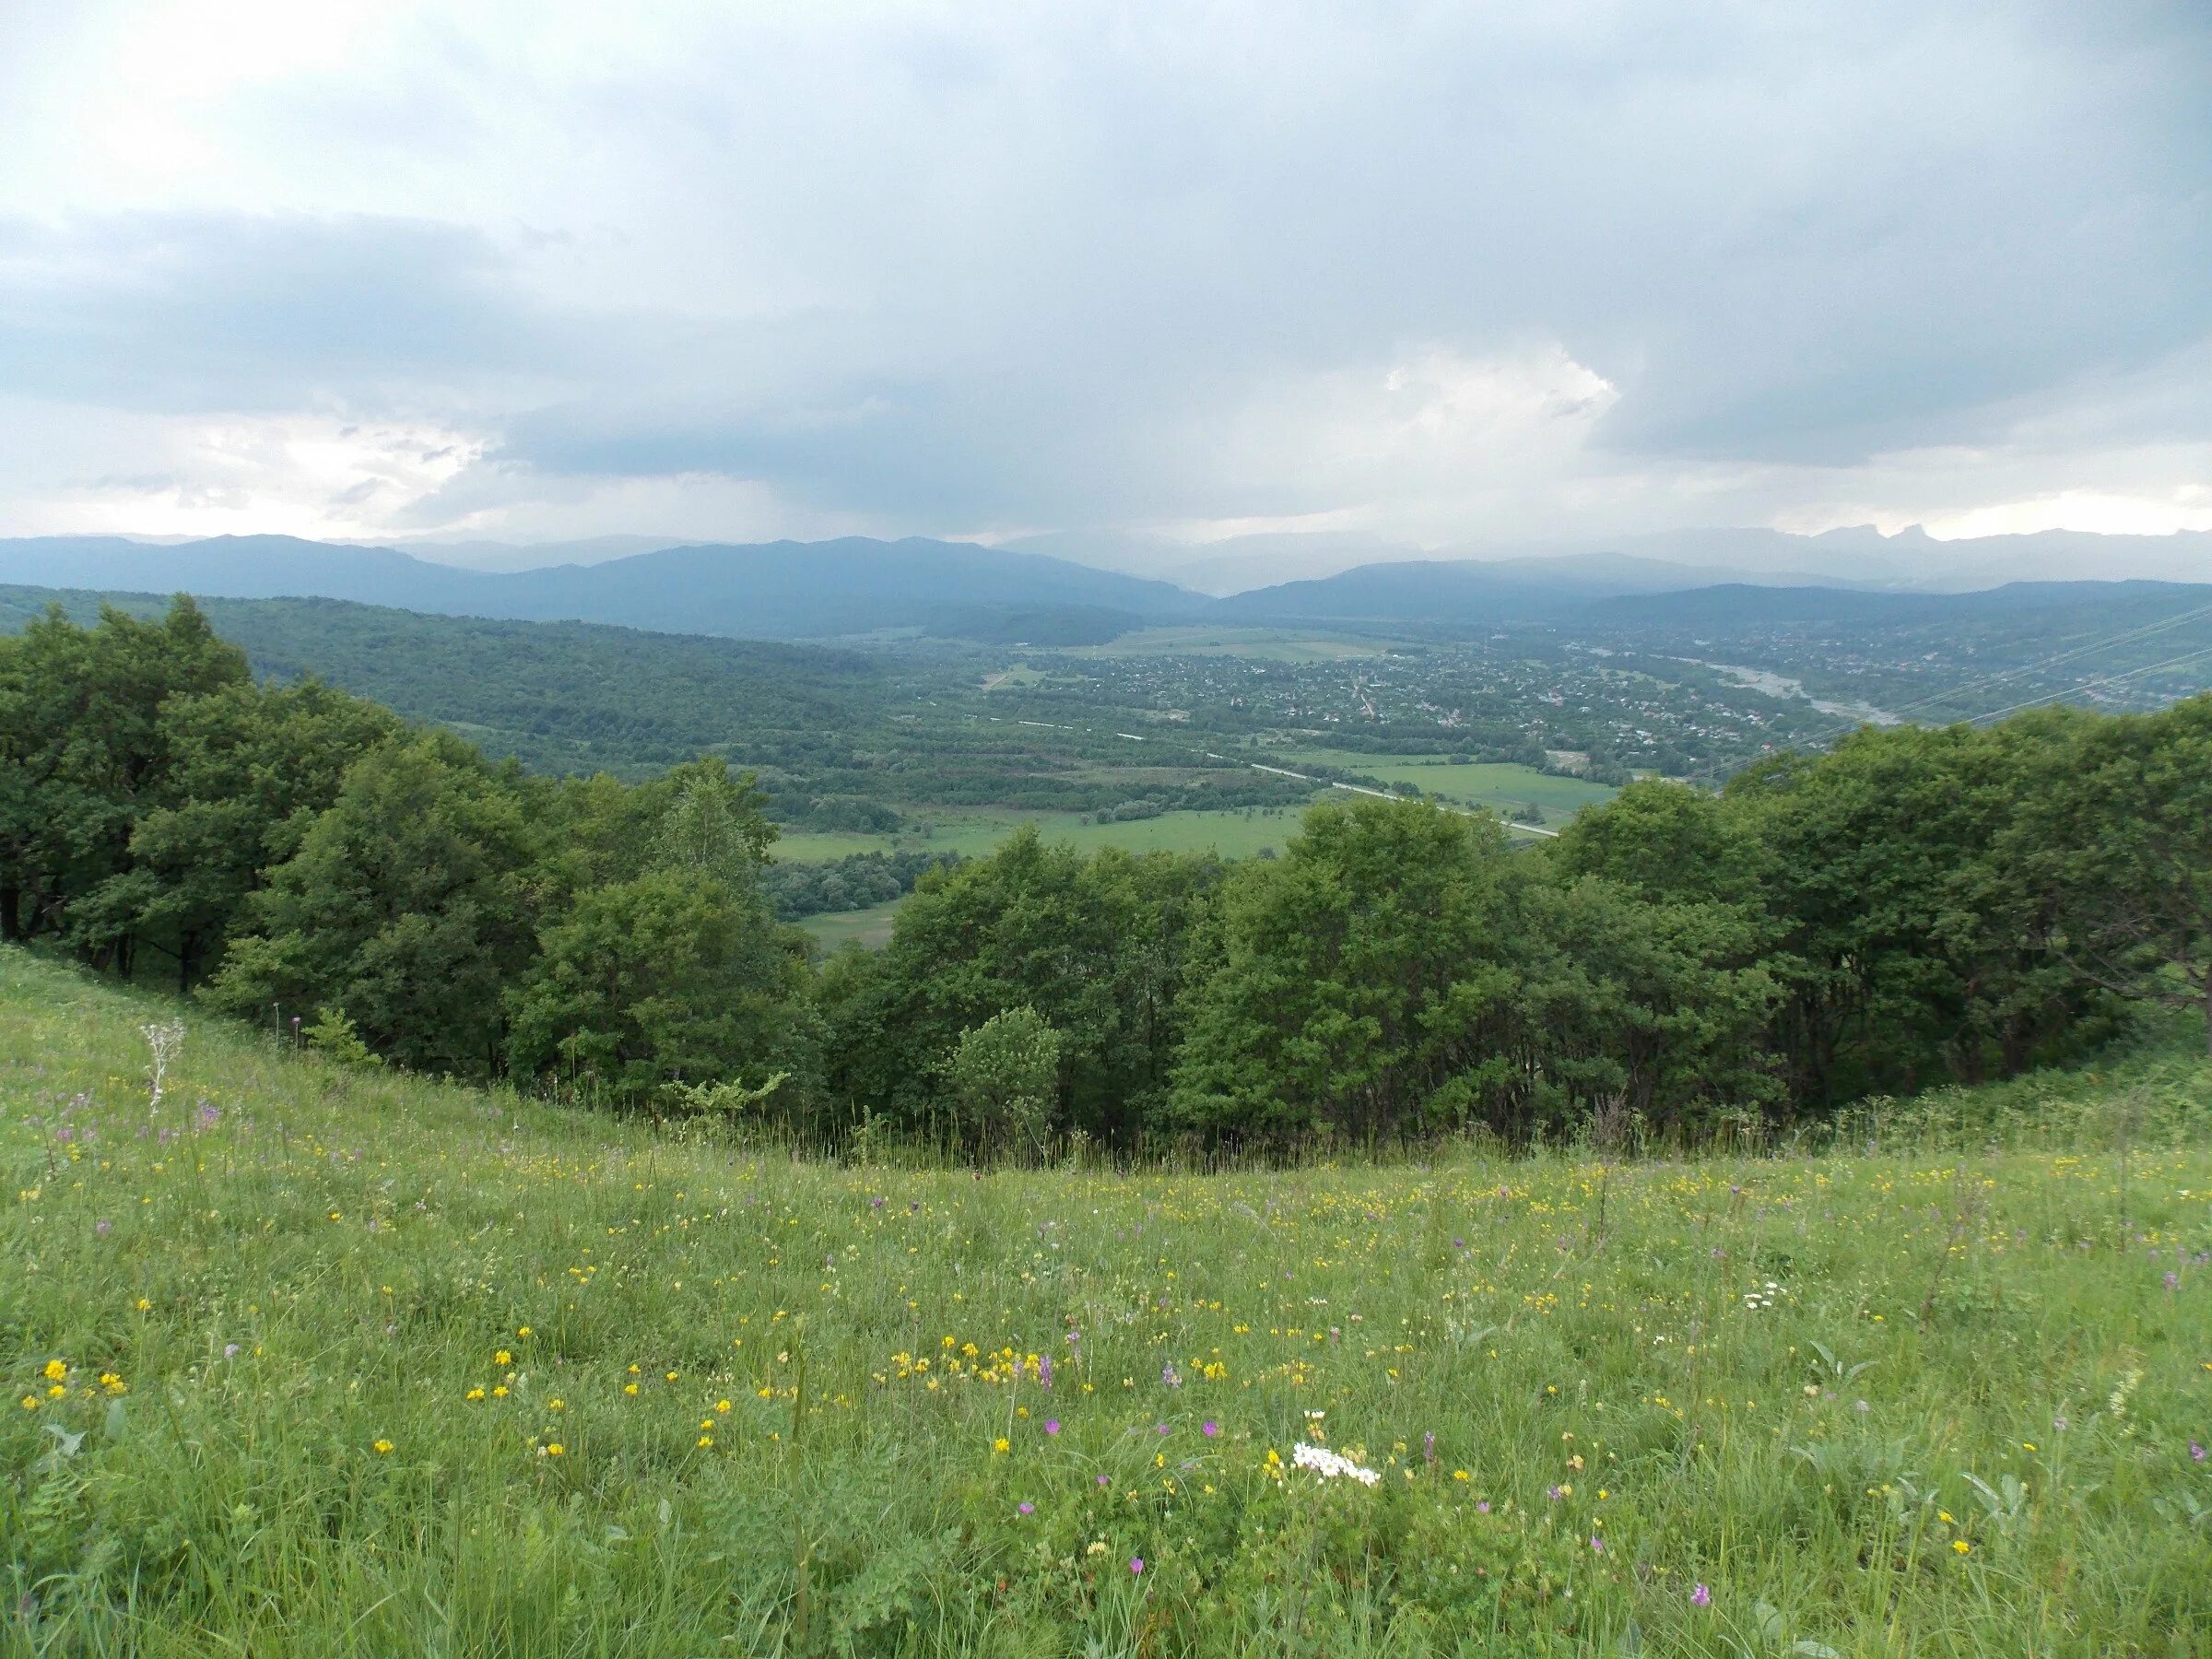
(317, 1361)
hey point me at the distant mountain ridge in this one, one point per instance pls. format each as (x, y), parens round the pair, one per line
(1468, 589)
(1028, 594)
(776, 590)
(1736, 604)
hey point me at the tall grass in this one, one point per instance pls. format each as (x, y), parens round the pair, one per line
(1944, 1396)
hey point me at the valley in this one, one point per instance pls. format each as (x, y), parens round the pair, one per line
(1179, 735)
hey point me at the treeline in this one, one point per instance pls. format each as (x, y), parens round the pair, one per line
(1917, 906)
(854, 882)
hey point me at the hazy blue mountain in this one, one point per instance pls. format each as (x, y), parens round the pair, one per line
(529, 556)
(778, 590)
(1464, 590)
(1851, 556)
(1231, 565)
(1738, 604)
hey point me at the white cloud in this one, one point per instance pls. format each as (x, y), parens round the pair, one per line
(1430, 271)
(300, 475)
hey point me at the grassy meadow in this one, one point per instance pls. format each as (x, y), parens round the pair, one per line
(870, 926)
(1476, 783)
(1234, 833)
(309, 1360)
(1264, 645)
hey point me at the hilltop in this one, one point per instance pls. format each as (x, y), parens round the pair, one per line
(350, 1362)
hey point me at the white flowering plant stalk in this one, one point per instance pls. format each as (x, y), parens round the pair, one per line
(164, 1041)
(1332, 1466)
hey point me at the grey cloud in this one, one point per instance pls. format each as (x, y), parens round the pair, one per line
(240, 311)
(1033, 265)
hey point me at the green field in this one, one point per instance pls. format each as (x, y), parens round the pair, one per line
(1266, 645)
(310, 1360)
(975, 831)
(1477, 784)
(871, 927)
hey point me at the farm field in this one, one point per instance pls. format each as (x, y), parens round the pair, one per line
(346, 1362)
(1479, 783)
(1265, 644)
(1234, 834)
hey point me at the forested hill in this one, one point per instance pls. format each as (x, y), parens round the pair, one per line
(560, 696)
(772, 590)
(2024, 604)
(1648, 593)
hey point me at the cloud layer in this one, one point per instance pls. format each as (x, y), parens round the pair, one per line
(1437, 272)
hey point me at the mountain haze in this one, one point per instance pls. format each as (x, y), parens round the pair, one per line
(779, 590)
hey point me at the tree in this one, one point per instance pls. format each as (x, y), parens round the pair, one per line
(409, 903)
(668, 978)
(1666, 1005)
(2116, 845)
(1005, 1072)
(710, 823)
(85, 752)
(1098, 946)
(1366, 984)
(1906, 950)
(250, 766)
(1663, 945)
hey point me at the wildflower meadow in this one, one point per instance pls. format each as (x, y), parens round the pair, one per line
(308, 1358)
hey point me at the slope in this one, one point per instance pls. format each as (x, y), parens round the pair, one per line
(779, 590)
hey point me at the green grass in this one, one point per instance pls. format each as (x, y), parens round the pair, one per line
(1266, 644)
(976, 832)
(1480, 784)
(788, 1418)
(871, 927)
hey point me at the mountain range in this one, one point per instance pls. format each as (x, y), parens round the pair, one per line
(1854, 556)
(1048, 591)
(777, 590)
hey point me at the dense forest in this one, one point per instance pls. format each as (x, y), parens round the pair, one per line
(1915, 906)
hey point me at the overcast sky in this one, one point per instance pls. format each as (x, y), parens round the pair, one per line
(1467, 271)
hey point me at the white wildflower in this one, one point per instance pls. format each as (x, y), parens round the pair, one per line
(1331, 1466)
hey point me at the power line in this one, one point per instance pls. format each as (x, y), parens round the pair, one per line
(2102, 679)
(1990, 682)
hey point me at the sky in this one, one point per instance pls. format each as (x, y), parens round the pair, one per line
(1474, 272)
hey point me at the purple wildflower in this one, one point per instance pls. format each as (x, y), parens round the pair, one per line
(1701, 1597)
(1210, 1428)
(1137, 1566)
(1052, 1425)
(1025, 1508)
